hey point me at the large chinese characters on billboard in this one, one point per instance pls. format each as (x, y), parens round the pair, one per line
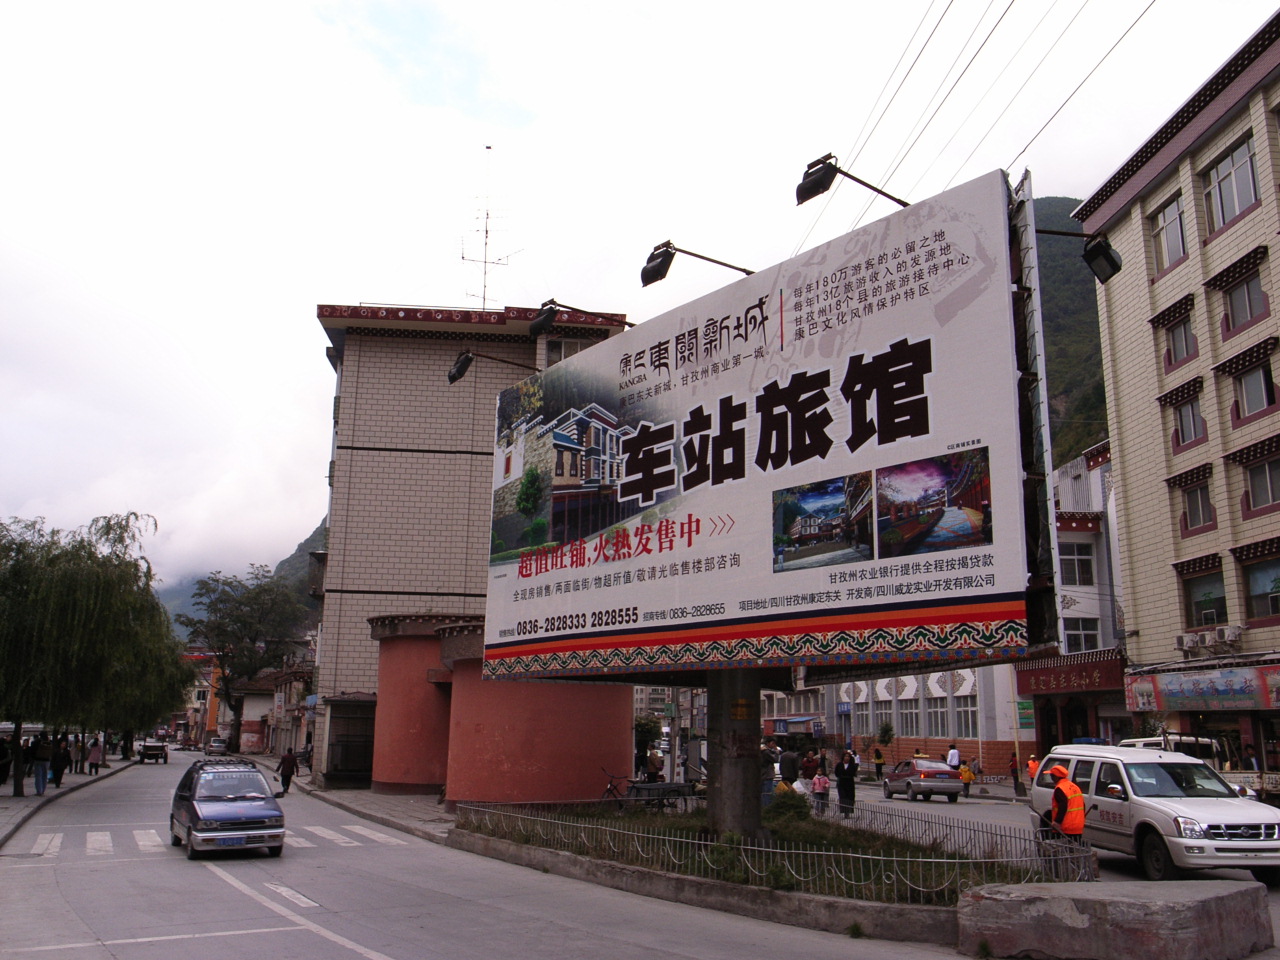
(818, 464)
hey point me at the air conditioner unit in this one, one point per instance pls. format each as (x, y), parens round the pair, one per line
(1187, 641)
(1229, 633)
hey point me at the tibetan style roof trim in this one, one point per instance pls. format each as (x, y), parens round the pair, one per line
(1098, 454)
(1189, 478)
(1071, 659)
(1219, 82)
(1255, 551)
(470, 336)
(1211, 561)
(381, 314)
(1238, 270)
(1181, 393)
(1078, 521)
(1248, 357)
(1255, 451)
(1178, 310)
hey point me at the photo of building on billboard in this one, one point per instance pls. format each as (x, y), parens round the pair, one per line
(794, 469)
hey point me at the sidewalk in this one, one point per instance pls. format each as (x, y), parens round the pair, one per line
(15, 811)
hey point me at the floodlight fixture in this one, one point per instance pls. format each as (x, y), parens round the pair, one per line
(546, 317)
(1099, 255)
(465, 358)
(821, 174)
(659, 262)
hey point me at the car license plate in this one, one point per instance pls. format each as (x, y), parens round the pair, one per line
(231, 841)
(944, 776)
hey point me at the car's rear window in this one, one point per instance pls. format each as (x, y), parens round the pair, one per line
(931, 765)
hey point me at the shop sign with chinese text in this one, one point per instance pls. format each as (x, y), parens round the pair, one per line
(817, 464)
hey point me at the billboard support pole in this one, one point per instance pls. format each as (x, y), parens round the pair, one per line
(733, 756)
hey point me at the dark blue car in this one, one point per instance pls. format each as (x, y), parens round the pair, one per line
(225, 805)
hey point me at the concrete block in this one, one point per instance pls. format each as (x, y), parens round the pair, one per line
(1184, 920)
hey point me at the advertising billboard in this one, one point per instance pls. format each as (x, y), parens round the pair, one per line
(817, 464)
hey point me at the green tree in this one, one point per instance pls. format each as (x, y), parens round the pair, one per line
(247, 625)
(531, 493)
(74, 606)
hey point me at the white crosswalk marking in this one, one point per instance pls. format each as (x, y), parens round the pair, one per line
(293, 840)
(148, 841)
(375, 835)
(334, 835)
(98, 844)
(47, 845)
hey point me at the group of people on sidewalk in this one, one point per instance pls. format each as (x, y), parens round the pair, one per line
(811, 774)
(47, 761)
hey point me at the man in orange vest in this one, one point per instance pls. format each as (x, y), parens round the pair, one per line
(1032, 766)
(1068, 805)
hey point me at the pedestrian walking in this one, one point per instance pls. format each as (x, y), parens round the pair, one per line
(1013, 767)
(821, 792)
(61, 761)
(846, 783)
(877, 758)
(41, 757)
(967, 776)
(287, 768)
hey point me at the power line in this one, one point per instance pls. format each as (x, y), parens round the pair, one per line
(1010, 164)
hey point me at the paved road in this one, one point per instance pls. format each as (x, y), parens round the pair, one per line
(93, 876)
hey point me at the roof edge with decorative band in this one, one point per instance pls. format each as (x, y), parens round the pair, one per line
(1181, 393)
(1216, 84)
(1238, 270)
(1178, 310)
(1210, 561)
(1255, 451)
(1250, 356)
(1189, 478)
(1253, 551)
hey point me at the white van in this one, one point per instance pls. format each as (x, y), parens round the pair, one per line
(1171, 811)
(1202, 748)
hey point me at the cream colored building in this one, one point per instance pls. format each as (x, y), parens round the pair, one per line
(1189, 346)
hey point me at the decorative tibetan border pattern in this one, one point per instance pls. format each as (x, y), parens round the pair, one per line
(990, 632)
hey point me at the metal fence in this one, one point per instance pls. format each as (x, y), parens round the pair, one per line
(950, 857)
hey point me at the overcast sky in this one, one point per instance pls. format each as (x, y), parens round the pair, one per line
(183, 182)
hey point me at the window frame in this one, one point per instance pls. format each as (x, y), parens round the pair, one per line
(1263, 606)
(1191, 406)
(1209, 516)
(1265, 397)
(1165, 227)
(1080, 560)
(936, 715)
(1172, 334)
(1197, 619)
(1232, 325)
(909, 715)
(1249, 507)
(966, 717)
(1082, 628)
(1224, 170)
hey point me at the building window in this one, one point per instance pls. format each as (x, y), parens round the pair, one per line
(1204, 600)
(1264, 484)
(1077, 563)
(1255, 392)
(1166, 232)
(909, 714)
(1079, 634)
(862, 719)
(1180, 342)
(506, 465)
(1245, 302)
(1263, 583)
(967, 717)
(558, 350)
(936, 716)
(559, 463)
(1197, 509)
(1190, 426)
(1229, 186)
(202, 696)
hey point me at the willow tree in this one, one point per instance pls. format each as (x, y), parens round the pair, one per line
(74, 604)
(248, 625)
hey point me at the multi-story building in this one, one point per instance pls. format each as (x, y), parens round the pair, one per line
(1189, 342)
(399, 698)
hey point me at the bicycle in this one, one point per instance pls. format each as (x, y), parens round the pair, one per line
(611, 791)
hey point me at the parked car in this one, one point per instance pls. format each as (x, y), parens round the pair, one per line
(225, 805)
(216, 747)
(921, 779)
(1170, 810)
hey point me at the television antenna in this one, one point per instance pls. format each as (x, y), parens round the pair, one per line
(484, 260)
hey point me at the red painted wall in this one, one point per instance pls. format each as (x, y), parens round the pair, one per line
(411, 732)
(524, 741)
